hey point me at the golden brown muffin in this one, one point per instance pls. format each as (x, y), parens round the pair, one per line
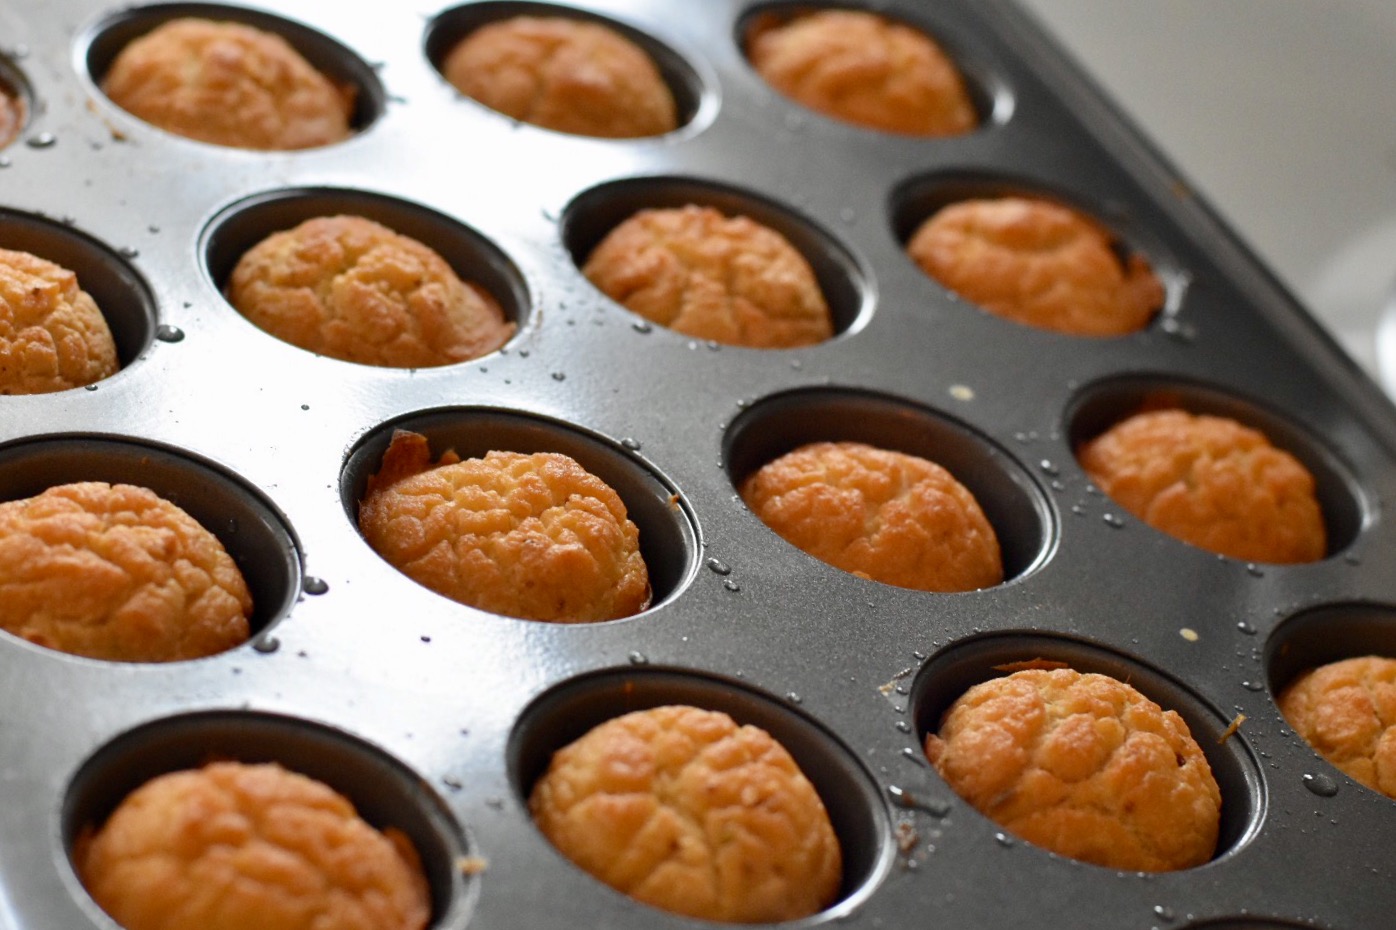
(1038, 263)
(563, 74)
(233, 846)
(352, 289)
(228, 84)
(861, 68)
(11, 116)
(1082, 765)
(530, 536)
(710, 276)
(52, 335)
(1211, 482)
(884, 515)
(1347, 711)
(684, 810)
(117, 572)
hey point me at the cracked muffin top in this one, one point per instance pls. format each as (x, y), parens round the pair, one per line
(710, 276)
(864, 69)
(880, 514)
(684, 810)
(531, 536)
(563, 74)
(1347, 712)
(114, 571)
(1211, 482)
(1038, 263)
(352, 289)
(52, 334)
(228, 84)
(232, 846)
(1082, 765)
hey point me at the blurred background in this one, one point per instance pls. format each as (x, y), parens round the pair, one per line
(1282, 113)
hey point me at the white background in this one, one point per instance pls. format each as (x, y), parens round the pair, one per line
(1283, 114)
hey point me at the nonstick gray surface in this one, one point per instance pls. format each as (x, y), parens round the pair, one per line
(435, 718)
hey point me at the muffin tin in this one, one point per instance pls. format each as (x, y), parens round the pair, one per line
(436, 718)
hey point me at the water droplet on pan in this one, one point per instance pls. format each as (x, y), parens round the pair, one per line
(313, 585)
(128, 251)
(266, 644)
(731, 585)
(719, 567)
(794, 698)
(632, 444)
(641, 326)
(1049, 467)
(1321, 785)
(1114, 521)
(42, 140)
(167, 333)
(638, 658)
(1246, 628)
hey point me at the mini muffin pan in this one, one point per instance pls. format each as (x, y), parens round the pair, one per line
(436, 718)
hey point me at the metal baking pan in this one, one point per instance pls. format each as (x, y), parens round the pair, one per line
(435, 717)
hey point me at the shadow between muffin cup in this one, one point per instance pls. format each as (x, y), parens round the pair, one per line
(856, 810)
(952, 671)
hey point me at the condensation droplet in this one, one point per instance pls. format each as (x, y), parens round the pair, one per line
(5, 161)
(559, 376)
(1255, 570)
(90, 387)
(42, 140)
(796, 364)
(167, 333)
(1049, 468)
(638, 658)
(1003, 839)
(1253, 685)
(1114, 521)
(903, 726)
(642, 326)
(632, 444)
(1079, 510)
(731, 585)
(718, 566)
(1352, 559)
(1164, 913)
(267, 644)
(313, 585)
(129, 251)
(794, 698)
(1321, 785)
(1246, 628)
